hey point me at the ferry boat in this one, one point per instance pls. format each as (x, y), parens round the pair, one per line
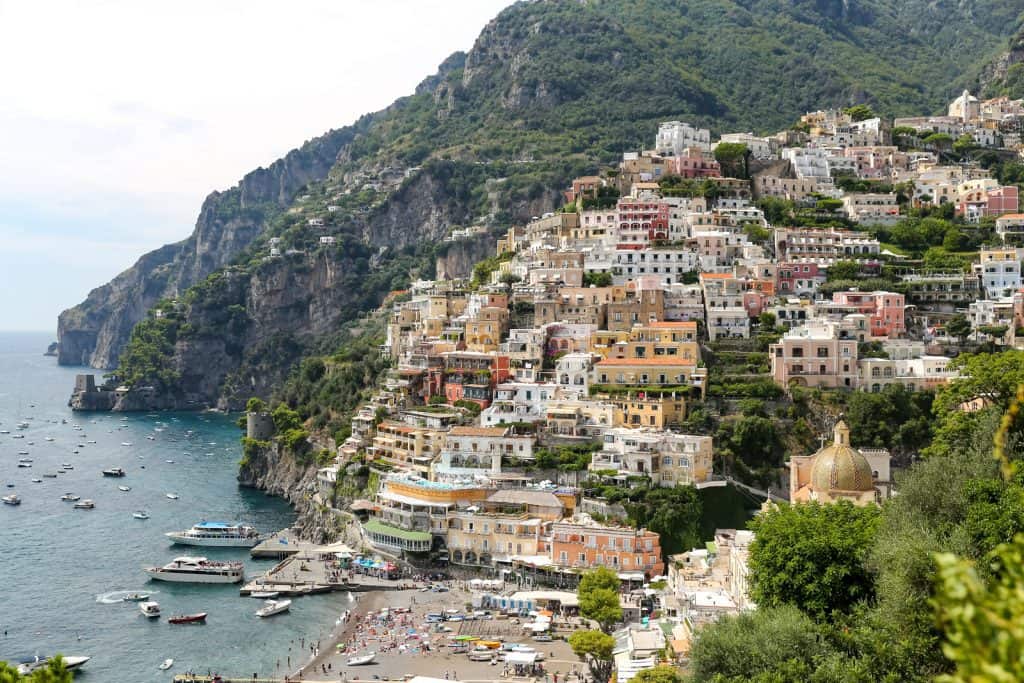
(220, 534)
(197, 570)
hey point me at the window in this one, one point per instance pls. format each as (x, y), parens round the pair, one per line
(562, 557)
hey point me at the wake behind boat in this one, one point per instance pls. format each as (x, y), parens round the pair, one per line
(197, 570)
(219, 534)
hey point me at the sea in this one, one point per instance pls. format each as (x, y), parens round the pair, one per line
(63, 571)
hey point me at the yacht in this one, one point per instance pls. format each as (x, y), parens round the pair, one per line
(150, 608)
(217, 534)
(140, 514)
(197, 570)
(272, 607)
(67, 466)
(12, 499)
(114, 472)
(85, 505)
(28, 665)
(124, 488)
(172, 496)
(70, 498)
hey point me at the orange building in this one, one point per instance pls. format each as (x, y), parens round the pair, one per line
(621, 548)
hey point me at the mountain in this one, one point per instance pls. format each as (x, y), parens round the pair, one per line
(550, 89)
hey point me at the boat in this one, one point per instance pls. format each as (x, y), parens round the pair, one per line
(12, 499)
(50, 475)
(187, 569)
(360, 661)
(5, 431)
(22, 452)
(151, 438)
(272, 607)
(10, 485)
(140, 514)
(70, 497)
(67, 466)
(24, 464)
(28, 665)
(136, 597)
(124, 488)
(18, 436)
(114, 472)
(172, 496)
(37, 480)
(220, 534)
(266, 595)
(126, 443)
(85, 505)
(168, 663)
(149, 608)
(197, 618)
(49, 438)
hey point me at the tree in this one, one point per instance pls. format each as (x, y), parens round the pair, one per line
(255, 405)
(771, 640)
(959, 326)
(599, 597)
(940, 141)
(734, 157)
(595, 648)
(860, 112)
(660, 674)
(285, 418)
(963, 144)
(54, 672)
(673, 513)
(509, 279)
(812, 556)
(597, 279)
(767, 320)
(989, 377)
(843, 270)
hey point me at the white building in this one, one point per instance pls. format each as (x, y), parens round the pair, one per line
(572, 371)
(519, 402)
(999, 270)
(675, 136)
(760, 148)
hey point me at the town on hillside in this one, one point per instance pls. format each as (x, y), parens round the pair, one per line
(586, 358)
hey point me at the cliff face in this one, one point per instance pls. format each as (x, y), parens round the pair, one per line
(279, 474)
(94, 332)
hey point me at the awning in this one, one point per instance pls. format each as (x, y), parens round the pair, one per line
(521, 658)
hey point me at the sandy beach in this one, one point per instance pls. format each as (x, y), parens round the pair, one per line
(406, 645)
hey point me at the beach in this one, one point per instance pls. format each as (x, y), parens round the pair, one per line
(406, 645)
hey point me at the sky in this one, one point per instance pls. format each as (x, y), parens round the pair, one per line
(117, 117)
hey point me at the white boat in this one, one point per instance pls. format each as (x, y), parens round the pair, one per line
(266, 595)
(360, 661)
(85, 505)
(149, 608)
(18, 436)
(136, 597)
(124, 488)
(12, 499)
(172, 496)
(70, 497)
(31, 664)
(67, 466)
(49, 438)
(197, 570)
(140, 514)
(126, 443)
(168, 663)
(37, 481)
(114, 472)
(25, 460)
(24, 464)
(220, 534)
(22, 452)
(272, 607)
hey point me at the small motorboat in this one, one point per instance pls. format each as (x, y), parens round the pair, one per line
(49, 438)
(10, 486)
(37, 481)
(149, 608)
(151, 438)
(70, 498)
(140, 514)
(124, 488)
(361, 661)
(169, 462)
(67, 466)
(114, 472)
(126, 443)
(22, 452)
(136, 597)
(12, 499)
(50, 475)
(167, 664)
(272, 607)
(85, 505)
(24, 464)
(266, 595)
(198, 618)
(172, 496)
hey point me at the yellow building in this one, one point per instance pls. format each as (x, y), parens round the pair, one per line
(402, 445)
(639, 372)
(484, 333)
(649, 340)
(486, 538)
(658, 412)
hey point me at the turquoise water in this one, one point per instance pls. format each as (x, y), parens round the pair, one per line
(56, 561)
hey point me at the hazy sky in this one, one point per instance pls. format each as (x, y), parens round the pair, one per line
(117, 117)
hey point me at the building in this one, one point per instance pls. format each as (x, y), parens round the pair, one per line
(582, 543)
(670, 459)
(999, 270)
(885, 310)
(675, 136)
(819, 354)
(480, 451)
(1010, 227)
(840, 472)
(871, 208)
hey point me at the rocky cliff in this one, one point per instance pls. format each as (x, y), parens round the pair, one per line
(94, 332)
(279, 473)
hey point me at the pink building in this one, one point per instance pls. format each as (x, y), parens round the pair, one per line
(995, 202)
(799, 279)
(642, 220)
(694, 164)
(885, 311)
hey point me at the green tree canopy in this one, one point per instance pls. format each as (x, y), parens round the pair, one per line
(734, 158)
(812, 556)
(595, 648)
(860, 112)
(959, 326)
(673, 513)
(660, 674)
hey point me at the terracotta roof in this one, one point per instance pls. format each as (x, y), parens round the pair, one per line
(478, 431)
(716, 276)
(1015, 216)
(660, 360)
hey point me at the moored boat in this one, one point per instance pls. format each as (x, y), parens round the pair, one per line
(12, 499)
(70, 497)
(272, 607)
(197, 570)
(188, 618)
(218, 534)
(85, 505)
(149, 608)
(140, 514)
(114, 472)
(167, 664)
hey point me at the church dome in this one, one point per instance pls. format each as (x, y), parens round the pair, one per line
(839, 467)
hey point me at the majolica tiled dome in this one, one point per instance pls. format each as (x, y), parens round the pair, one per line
(838, 467)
